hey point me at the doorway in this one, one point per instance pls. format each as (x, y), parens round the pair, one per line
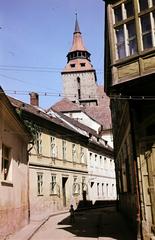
(64, 180)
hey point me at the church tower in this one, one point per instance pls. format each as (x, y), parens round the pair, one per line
(79, 76)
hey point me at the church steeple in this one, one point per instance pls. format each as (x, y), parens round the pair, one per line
(79, 76)
(78, 49)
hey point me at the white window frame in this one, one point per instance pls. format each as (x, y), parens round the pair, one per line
(40, 183)
(98, 189)
(76, 186)
(84, 186)
(74, 153)
(64, 149)
(39, 143)
(91, 159)
(53, 146)
(96, 161)
(53, 190)
(82, 155)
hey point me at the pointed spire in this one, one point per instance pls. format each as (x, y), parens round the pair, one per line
(77, 28)
(77, 44)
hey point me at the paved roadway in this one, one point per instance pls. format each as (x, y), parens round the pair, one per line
(96, 224)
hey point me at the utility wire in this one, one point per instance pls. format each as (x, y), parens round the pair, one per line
(34, 69)
(114, 97)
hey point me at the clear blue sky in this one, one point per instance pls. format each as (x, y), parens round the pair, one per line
(35, 37)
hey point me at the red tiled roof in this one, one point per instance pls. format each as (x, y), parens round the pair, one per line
(38, 112)
(100, 113)
(65, 105)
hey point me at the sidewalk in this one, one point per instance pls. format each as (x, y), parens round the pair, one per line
(29, 230)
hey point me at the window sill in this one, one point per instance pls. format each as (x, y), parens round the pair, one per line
(76, 194)
(53, 194)
(6, 183)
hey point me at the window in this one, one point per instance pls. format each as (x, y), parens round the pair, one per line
(39, 143)
(111, 164)
(102, 189)
(143, 4)
(125, 34)
(131, 38)
(113, 190)
(53, 147)
(129, 10)
(83, 54)
(74, 152)
(91, 159)
(72, 65)
(101, 162)
(53, 184)
(40, 183)
(5, 161)
(118, 13)
(120, 42)
(82, 64)
(84, 186)
(146, 31)
(96, 164)
(76, 186)
(64, 149)
(98, 189)
(105, 163)
(107, 190)
(82, 155)
(126, 19)
(147, 23)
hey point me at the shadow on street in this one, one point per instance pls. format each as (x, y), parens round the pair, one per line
(102, 222)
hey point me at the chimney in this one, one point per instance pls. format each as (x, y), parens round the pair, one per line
(34, 99)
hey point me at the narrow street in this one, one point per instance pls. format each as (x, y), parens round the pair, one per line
(101, 224)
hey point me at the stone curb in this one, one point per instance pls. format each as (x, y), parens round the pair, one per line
(43, 222)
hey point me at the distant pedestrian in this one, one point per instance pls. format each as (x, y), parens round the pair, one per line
(72, 217)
